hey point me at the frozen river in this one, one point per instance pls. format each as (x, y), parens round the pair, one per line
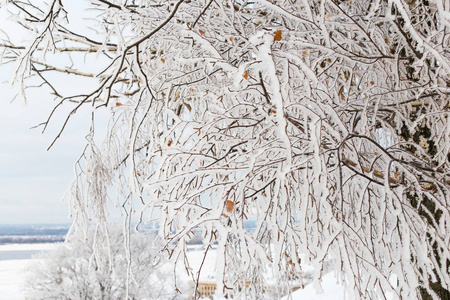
(14, 261)
(19, 254)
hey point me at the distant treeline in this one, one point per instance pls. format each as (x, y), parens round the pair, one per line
(51, 233)
(33, 229)
(31, 239)
(32, 233)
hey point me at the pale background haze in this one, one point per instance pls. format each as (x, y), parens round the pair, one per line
(33, 180)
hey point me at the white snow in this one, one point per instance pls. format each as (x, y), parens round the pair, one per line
(196, 256)
(332, 290)
(12, 272)
(20, 247)
(12, 278)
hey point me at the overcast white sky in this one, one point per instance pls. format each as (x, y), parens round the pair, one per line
(32, 180)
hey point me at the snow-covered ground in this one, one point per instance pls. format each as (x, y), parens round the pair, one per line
(332, 290)
(12, 272)
(12, 279)
(21, 247)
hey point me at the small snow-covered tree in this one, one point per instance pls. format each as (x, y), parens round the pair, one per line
(95, 266)
(324, 121)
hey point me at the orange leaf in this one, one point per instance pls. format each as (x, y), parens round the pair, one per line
(231, 39)
(138, 174)
(304, 53)
(246, 74)
(372, 83)
(273, 111)
(163, 60)
(229, 205)
(329, 15)
(118, 104)
(341, 93)
(201, 32)
(277, 35)
(169, 143)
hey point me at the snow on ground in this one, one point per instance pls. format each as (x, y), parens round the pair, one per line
(20, 247)
(12, 272)
(12, 279)
(332, 290)
(197, 259)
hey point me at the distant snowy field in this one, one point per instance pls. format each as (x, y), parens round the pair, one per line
(12, 274)
(12, 279)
